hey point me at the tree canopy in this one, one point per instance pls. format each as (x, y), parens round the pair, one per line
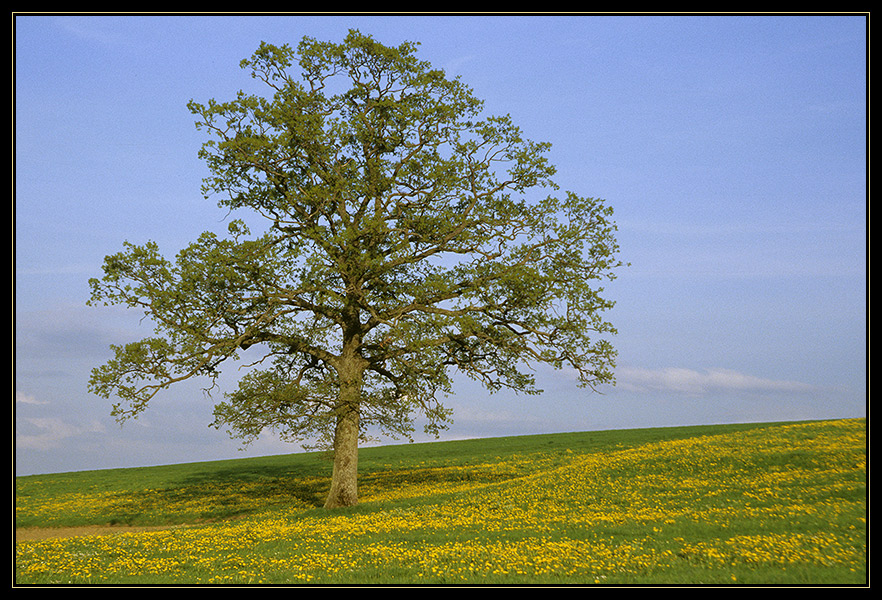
(407, 239)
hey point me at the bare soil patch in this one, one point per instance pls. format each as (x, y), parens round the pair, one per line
(26, 534)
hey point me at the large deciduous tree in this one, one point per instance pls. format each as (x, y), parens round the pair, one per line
(407, 239)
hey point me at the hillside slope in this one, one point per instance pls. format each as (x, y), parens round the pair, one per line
(783, 503)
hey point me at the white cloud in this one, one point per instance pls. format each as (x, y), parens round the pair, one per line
(51, 432)
(22, 398)
(692, 382)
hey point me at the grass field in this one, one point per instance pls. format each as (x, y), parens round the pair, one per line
(756, 504)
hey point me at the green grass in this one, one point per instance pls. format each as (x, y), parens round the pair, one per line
(774, 503)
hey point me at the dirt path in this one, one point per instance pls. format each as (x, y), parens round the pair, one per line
(26, 534)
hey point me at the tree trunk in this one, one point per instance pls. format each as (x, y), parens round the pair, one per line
(350, 370)
(344, 479)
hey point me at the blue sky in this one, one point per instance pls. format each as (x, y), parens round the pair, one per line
(733, 149)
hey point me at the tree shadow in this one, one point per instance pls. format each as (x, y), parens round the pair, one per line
(254, 487)
(217, 494)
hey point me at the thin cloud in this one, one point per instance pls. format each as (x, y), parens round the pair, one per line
(92, 29)
(692, 382)
(51, 432)
(22, 398)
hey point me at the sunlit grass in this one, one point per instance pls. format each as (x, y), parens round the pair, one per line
(760, 505)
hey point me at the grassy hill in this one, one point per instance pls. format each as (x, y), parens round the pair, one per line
(780, 503)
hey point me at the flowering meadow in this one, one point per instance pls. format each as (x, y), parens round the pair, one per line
(770, 504)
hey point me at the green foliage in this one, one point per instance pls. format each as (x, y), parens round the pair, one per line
(406, 239)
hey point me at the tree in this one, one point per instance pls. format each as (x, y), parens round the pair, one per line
(405, 241)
